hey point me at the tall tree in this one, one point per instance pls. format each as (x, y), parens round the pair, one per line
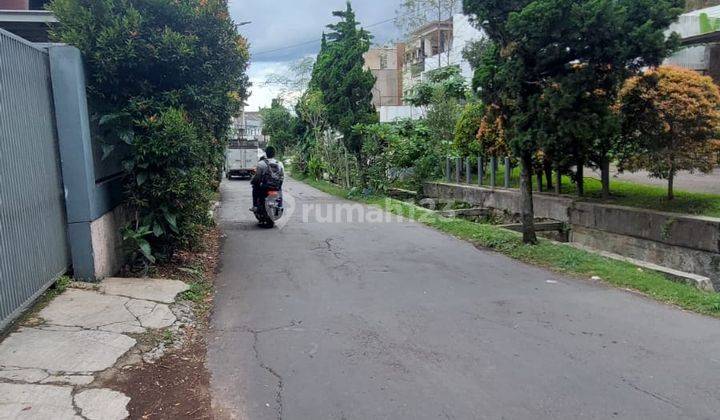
(340, 75)
(567, 53)
(508, 79)
(279, 125)
(614, 40)
(671, 122)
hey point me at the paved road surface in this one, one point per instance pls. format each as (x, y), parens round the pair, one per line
(684, 181)
(398, 321)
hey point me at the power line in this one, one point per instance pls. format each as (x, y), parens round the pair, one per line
(382, 22)
(316, 40)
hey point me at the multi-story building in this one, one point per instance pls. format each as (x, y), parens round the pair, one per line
(386, 64)
(427, 48)
(700, 33)
(247, 127)
(26, 18)
(435, 45)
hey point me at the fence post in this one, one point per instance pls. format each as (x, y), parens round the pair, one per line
(540, 181)
(508, 170)
(458, 168)
(493, 171)
(448, 177)
(481, 168)
(558, 182)
(468, 171)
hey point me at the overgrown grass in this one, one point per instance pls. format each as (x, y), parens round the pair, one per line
(200, 288)
(559, 257)
(625, 193)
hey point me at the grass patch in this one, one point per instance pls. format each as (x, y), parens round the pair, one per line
(198, 291)
(624, 193)
(559, 257)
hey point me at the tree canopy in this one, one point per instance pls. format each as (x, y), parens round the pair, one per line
(340, 75)
(279, 124)
(670, 122)
(552, 68)
(164, 79)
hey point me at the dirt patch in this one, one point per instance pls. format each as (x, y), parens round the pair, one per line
(177, 385)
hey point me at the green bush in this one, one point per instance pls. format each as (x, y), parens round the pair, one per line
(467, 128)
(163, 79)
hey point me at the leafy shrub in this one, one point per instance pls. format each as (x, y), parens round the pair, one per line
(466, 130)
(670, 120)
(164, 77)
(171, 190)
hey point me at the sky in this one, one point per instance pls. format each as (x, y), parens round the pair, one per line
(279, 24)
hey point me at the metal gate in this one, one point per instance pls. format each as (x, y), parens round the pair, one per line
(33, 240)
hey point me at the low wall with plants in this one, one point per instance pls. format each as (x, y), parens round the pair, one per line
(677, 241)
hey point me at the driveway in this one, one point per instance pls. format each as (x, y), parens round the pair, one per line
(394, 320)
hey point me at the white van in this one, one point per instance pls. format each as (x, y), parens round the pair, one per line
(241, 158)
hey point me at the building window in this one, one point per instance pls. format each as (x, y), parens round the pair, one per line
(383, 61)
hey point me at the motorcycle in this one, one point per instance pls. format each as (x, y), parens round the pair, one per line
(271, 209)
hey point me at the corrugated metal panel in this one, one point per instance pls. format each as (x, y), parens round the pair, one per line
(33, 239)
(693, 58)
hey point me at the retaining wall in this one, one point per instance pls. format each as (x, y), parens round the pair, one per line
(677, 241)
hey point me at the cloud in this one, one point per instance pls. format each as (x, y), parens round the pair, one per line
(261, 96)
(283, 31)
(298, 24)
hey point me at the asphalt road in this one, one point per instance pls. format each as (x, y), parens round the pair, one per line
(684, 180)
(323, 320)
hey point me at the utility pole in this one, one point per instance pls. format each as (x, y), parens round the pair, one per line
(439, 32)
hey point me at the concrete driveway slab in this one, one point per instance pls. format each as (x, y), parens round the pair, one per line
(157, 290)
(102, 404)
(63, 351)
(19, 401)
(93, 310)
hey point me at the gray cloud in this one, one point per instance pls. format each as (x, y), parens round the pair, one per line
(277, 24)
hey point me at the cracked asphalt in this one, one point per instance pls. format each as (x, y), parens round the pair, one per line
(324, 320)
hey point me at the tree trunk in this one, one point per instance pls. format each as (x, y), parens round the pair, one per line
(526, 200)
(671, 181)
(558, 180)
(540, 180)
(580, 178)
(547, 166)
(605, 177)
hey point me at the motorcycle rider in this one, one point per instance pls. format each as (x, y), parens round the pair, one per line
(269, 173)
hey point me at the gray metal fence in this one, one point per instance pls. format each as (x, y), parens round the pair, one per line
(33, 240)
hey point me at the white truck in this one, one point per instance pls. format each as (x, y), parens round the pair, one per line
(241, 158)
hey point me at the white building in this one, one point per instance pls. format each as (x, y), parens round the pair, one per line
(434, 45)
(247, 126)
(700, 32)
(463, 33)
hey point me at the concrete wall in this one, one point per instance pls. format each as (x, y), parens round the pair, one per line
(108, 255)
(394, 113)
(91, 197)
(547, 206)
(677, 241)
(385, 63)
